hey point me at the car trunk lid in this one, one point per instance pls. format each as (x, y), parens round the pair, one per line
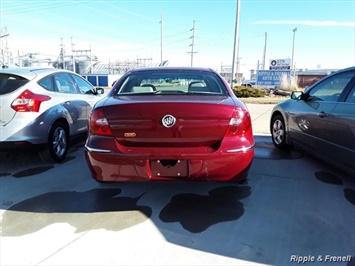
(164, 121)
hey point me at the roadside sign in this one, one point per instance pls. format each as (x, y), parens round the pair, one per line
(280, 64)
(272, 77)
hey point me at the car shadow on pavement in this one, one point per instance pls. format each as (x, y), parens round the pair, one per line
(73, 207)
(196, 213)
(330, 178)
(21, 164)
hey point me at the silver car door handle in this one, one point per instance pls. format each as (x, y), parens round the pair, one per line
(322, 114)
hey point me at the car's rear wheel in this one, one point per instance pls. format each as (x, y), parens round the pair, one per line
(57, 144)
(278, 132)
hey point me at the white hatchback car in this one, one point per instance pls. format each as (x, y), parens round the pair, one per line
(43, 108)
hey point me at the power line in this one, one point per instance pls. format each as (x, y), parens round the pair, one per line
(31, 6)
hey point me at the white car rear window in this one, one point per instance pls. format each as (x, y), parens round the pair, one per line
(10, 83)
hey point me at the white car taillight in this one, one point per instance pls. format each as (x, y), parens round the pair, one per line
(240, 123)
(28, 101)
(99, 124)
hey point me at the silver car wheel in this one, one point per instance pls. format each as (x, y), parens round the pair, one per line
(59, 141)
(57, 144)
(278, 132)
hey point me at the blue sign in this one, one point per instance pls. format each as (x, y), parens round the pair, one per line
(97, 80)
(272, 77)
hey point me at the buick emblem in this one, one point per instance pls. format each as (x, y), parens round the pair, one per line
(168, 121)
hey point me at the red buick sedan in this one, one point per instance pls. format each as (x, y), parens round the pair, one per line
(169, 123)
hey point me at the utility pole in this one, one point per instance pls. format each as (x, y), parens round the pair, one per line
(293, 48)
(4, 53)
(192, 53)
(91, 66)
(236, 41)
(161, 38)
(72, 53)
(264, 57)
(238, 62)
(62, 53)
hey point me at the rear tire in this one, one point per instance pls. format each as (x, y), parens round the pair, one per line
(278, 132)
(57, 144)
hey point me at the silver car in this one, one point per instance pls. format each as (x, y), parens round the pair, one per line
(320, 120)
(43, 108)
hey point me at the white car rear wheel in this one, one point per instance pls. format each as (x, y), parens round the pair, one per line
(57, 144)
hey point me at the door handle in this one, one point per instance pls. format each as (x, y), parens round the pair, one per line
(322, 114)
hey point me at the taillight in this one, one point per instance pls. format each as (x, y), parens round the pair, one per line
(240, 123)
(28, 101)
(99, 124)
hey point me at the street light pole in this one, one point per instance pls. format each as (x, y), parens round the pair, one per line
(293, 47)
(264, 56)
(236, 41)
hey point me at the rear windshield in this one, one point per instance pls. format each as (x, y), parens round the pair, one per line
(172, 82)
(10, 83)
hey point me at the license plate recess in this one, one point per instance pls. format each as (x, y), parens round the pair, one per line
(169, 168)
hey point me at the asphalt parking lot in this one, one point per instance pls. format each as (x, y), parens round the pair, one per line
(294, 209)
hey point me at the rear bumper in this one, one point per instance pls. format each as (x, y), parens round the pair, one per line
(230, 164)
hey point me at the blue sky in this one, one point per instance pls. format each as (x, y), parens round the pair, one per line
(129, 30)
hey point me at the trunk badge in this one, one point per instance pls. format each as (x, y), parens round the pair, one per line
(168, 121)
(130, 135)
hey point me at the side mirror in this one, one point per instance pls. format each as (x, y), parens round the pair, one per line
(100, 91)
(296, 95)
(299, 95)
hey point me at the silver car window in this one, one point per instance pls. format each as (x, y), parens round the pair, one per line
(330, 89)
(64, 83)
(46, 83)
(84, 86)
(351, 96)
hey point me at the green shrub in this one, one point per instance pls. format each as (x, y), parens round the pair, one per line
(246, 92)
